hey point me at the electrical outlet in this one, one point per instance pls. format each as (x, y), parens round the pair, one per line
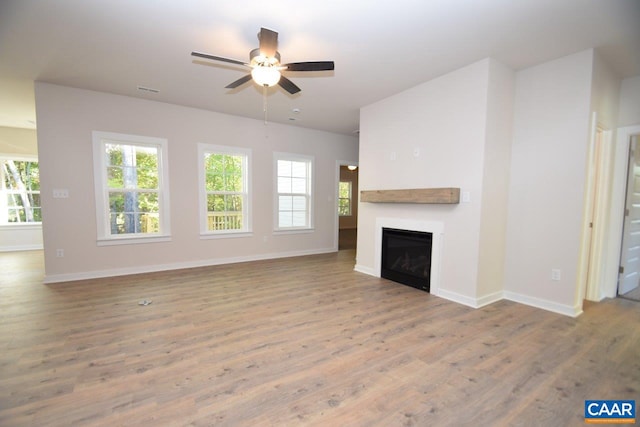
(556, 274)
(60, 253)
(60, 193)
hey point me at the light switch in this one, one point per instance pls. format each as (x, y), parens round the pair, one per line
(466, 197)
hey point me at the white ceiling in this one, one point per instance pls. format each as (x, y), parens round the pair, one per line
(379, 47)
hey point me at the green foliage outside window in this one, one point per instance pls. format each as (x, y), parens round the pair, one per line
(344, 198)
(224, 185)
(20, 201)
(133, 183)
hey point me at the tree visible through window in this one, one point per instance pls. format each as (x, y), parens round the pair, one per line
(20, 190)
(344, 198)
(132, 181)
(225, 185)
(131, 186)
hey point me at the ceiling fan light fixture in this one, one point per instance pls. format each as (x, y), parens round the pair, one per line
(266, 76)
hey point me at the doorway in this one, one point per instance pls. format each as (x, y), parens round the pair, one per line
(348, 207)
(608, 228)
(629, 279)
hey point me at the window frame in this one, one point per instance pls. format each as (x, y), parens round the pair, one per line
(350, 198)
(4, 191)
(104, 236)
(247, 230)
(310, 183)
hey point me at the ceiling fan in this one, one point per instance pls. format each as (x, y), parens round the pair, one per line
(265, 64)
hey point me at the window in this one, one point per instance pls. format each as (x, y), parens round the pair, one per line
(344, 198)
(224, 190)
(132, 194)
(20, 191)
(293, 183)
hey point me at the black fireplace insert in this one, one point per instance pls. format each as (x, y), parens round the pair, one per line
(406, 257)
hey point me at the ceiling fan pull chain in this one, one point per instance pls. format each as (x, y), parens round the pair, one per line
(264, 103)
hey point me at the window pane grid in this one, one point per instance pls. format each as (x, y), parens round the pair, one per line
(133, 188)
(294, 196)
(224, 176)
(19, 191)
(344, 198)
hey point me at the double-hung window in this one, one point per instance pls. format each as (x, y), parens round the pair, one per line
(132, 188)
(294, 184)
(344, 198)
(19, 191)
(224, 190)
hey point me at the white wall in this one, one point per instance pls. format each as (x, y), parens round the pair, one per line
(548, 174)
(66, 119)
(19, 142)
(495, 182)
(629, 113)
(446, 120)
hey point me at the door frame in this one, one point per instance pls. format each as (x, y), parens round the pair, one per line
(354, 198)
(594, 221)
(609, 287)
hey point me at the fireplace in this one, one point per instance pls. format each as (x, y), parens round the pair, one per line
(406, 257)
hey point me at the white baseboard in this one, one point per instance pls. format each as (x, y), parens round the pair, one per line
(97, 274)
(455, 297)
(489, 299)
(469, 301)
(493, 297)
(566, 310)
(366, 270)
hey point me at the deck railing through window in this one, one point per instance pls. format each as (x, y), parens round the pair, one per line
(224, 221)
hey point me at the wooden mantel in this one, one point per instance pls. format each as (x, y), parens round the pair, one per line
(415, 195)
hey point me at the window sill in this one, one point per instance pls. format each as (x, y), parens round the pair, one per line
(285, 231)
(133, 240)
(22, 226)
(225, 235)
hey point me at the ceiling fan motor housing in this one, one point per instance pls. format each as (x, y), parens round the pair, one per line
(258, 60)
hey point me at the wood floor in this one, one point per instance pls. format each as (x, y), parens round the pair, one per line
(633, 294)
(299, 341)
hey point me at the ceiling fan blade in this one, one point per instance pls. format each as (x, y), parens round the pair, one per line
(288, 85)
(219, 58)
(310, 66)
(268, 42)
(239, 82)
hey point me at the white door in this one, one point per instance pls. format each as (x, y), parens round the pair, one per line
(630, 257)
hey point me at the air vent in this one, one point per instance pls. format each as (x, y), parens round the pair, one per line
(148, 89)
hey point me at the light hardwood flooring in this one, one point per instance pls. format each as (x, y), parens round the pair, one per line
(634, 294)
(299, 341)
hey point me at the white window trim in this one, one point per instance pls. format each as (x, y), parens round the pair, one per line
(23, 225)
(205, 233)
(311, 190)
(104, 237)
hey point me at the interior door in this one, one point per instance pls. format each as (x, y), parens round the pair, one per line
(630, 257)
